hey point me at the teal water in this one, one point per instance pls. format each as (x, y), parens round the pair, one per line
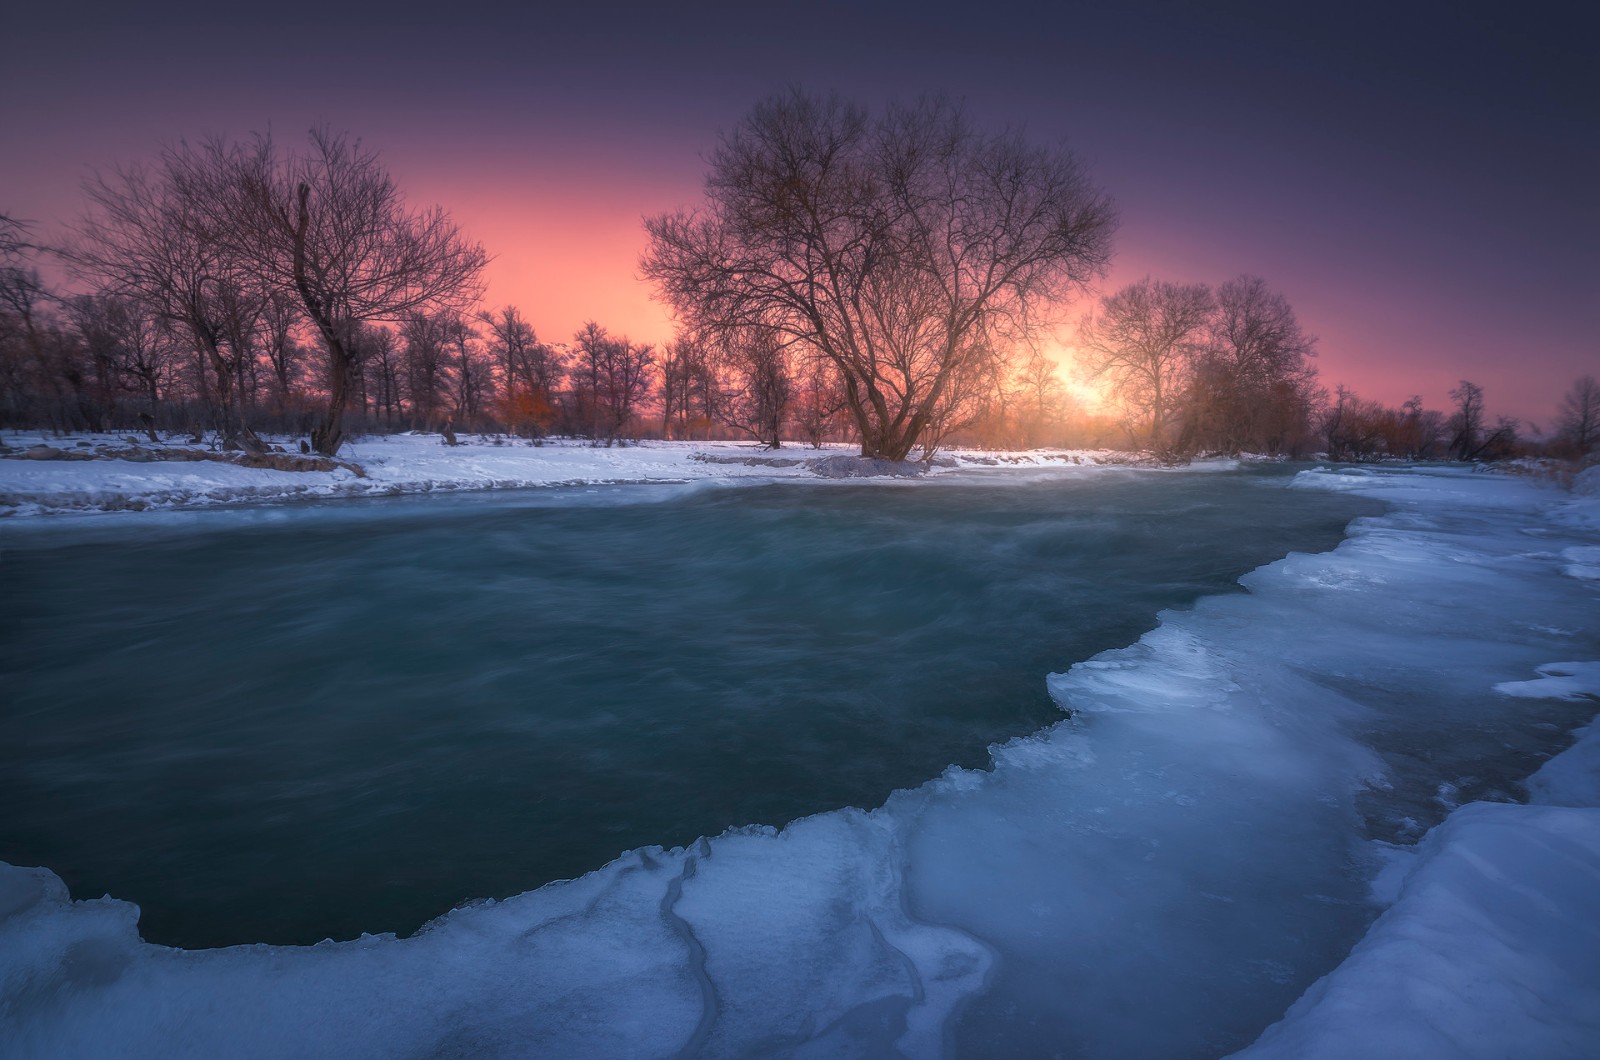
(308, 722)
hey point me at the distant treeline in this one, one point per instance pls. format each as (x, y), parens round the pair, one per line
(891, 299)
(1228, 370)
(105, 361)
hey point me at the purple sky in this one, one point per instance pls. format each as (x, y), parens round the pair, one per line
(1420, 180)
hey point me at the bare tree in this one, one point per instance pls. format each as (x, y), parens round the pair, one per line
(94, 317)
(975, 388)
(1143, 339)
(1579, 424)
(330, 226)
(22, 334)
(692, 394)
(1039, 398)
(427, 338)
(610, 378)
(1252, 383)
(693, 390)
(158, 235)
(754, 365)
(1356, 429)
(384, 369)
(280, 317)
(145, 354)
(1420, 430)
(900, 249)
(1466, 424)
(530, 371)
(819, 402)
(472, 373)
(1470, 440)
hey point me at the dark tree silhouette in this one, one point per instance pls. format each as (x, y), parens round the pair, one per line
(163, 236)
(903, 249)
(330, 226)
(1143, 339)
(610, 378)
(758, 382)
(1579, 423)
(1252, 385)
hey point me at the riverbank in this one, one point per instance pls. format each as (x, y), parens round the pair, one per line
(44, 475)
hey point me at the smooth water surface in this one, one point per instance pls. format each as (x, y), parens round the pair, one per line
(348, 718)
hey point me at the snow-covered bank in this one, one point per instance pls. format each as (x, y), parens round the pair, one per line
(1162, 874)
(420, 463)
(1491, 947)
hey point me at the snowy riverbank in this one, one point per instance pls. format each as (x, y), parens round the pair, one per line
(1160, 874)
(1490, 945)
(391, 465)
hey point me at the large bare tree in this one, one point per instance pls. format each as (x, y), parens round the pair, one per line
(329, 225)
(903, 249)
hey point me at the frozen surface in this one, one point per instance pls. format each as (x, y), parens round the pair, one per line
(1161, 874)
(1490, 946)
(1492, 949)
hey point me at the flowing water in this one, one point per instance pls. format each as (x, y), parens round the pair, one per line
(287, 724)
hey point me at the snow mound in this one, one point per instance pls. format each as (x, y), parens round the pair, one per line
(1573, 777)
(1490, 951)
(869, 467)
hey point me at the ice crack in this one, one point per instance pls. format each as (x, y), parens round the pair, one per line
(710, 1002)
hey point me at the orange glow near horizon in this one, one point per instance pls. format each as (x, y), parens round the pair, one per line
(565, 231)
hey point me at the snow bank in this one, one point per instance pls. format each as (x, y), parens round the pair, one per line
(1491, 946)
(1492, 950)
(396, 464)
(1161, 874)
(421, 463)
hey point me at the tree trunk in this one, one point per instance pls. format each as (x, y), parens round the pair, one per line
(327, 436)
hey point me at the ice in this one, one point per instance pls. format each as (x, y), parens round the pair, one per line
(1573, 777)
(1560, 680)
(1491, 950)
(1490, 946)
(1585, 562)
(1162, 873)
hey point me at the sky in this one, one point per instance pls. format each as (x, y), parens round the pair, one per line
(1418, 179)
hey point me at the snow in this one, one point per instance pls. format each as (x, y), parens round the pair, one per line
(1162, 873)
(1490, 945)
(1491, 950)
(421, 463)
